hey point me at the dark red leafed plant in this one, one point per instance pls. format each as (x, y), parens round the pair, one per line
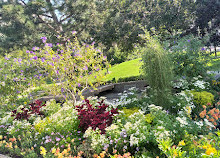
(27, 111)
(95, 116)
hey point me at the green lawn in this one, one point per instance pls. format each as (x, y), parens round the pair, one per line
(124, 70)
(214, 64)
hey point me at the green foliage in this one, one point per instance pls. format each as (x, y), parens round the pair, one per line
(158, 70)
(64, 120)
(188, 58)
(202, 98)
(128, 112)
(51, 107)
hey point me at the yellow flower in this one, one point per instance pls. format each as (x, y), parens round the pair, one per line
(25, 103)
(53, 150)
(60, 155)
(102, 155)
(64, 152)
(1, 137)
(16, 146)
(210, 151)
(181, 143)
(43, 151)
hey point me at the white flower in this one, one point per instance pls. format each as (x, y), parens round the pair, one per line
(133, 140)
(183, 121)
(112, 127)
(209, 123)
(200, 123)
(128, 126)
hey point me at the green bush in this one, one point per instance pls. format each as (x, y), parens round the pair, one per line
(202, 98)
(188, 58)
(158, 70)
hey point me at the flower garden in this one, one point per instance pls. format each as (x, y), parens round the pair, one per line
(176, 116)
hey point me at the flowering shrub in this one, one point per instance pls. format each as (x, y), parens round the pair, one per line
(211, 114)
(25, 112)
(95, 117)
(76, 67)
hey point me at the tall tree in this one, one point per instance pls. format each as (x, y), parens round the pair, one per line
(208, 20)
(24, 21)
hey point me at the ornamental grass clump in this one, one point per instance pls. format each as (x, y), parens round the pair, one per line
(95, 116)
(158, 70)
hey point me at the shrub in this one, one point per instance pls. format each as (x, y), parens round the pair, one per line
(64, 120)
(26, 111)
(188, 58)
(51, 107)
(95, 116)
(202, 98)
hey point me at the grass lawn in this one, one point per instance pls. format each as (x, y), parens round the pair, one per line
(126, 69)
(214, 64)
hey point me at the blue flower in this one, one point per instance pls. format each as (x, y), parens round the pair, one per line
(44, 39)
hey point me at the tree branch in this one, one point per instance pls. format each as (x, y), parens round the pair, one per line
(54, 16)
(66, 18)
(50, 26)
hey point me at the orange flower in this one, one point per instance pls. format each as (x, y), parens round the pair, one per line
(12, 139)
(215, 116)
(217, 110)
(207, 116)
(202, 115)
(102, 154)
(211, 111)
(211, 120)
(204, 106)
(95, 155)
(215, 123)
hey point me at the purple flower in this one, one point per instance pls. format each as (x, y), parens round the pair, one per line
(203, 48)
(62, 90)
(85, 68)
(19, 60)
(42, 59)
(44, 39)
(57, 139)
(79, 84)
(35, 48)
(73, 32)
(49, 44)
(97, 69)
(35, 57)
(57, 72)
(188, 40)
(6, 58)
(62, 146)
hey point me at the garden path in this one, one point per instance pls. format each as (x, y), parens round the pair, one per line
(3, 156)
